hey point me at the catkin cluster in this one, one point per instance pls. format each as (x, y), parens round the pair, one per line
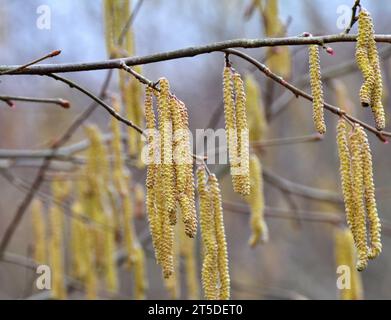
(316, 89)
(257, 203)
(170, 180)
(345, 257)
(237, 131)
(368, 61)
(215, 273)
(359, 192)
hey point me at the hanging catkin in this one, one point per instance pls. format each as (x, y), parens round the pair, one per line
(368, 61)
(255, 110)
(78, 243)
(242, 135)
(357, 191)
(236, 130)
(39, 232)
(345, 256)
(316, 89)
(256, 201)
(222, 252)
(345, 173)
(166, 148)
(369, 195)
(183, 165)
(210, 247)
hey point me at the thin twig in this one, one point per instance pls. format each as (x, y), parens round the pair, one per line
(25, 66)
(287, 141)
(59, 101)
(354, 17)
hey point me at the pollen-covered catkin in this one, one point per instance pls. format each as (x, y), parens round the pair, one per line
(362, 58)
(357, 191)
(222, 252)
(345, 256)
(230, 124)
(368, 61)
(369, 195)
(78, 243)
(208, 231)
(165, 129)
(39, 232)
(243, 186)
(256, 201)
(345, 173)
(183, 163)
(316, 89)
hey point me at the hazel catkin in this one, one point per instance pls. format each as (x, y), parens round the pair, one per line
(357, 191)
(369, 196)
(256, 201)
(316, 89)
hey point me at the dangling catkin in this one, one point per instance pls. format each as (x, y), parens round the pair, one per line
(39, 232)
(78, 243)
(316, 89)
(368, 61)
(222, 253)
(369, 195)
(255, 110)
(345, 256)
(208, 230)
(256, 201)
(183, 165)
(242, 136)
(345, 173)
(165, 130)
(357, 191)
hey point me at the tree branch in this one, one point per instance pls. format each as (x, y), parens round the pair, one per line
(45, 69)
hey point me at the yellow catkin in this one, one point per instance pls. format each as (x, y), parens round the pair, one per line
(140, 275)
(345, 173)
(316, 89)
(345, 256)
(242, 136)
(222, 252)
(188, 253)
(255, 110)
(165, 130)
(257, 203)
(39, 232)
(110, 266)
(139, 198)
(230, 123)
(183, 165)
(367, 57)
(91, 279)
(208, 231)
(56, 257)
(357, 191)
(369, 195)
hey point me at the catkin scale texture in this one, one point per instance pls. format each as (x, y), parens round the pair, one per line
(39, 232)
(316, 89)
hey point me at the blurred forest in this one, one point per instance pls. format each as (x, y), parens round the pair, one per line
(298, 261)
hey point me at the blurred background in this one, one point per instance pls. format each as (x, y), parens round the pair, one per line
(298, 261)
